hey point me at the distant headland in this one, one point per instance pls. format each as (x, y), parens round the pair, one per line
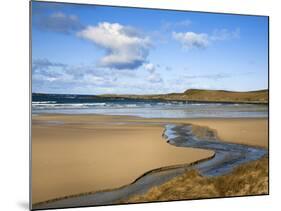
(196, 95)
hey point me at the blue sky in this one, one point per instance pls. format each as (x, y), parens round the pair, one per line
(88, 49)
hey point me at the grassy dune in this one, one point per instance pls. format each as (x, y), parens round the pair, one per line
(201, 95)
(247, 179)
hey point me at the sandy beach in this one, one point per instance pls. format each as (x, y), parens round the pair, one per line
(74, 154)
(249, 131)
(92, 153)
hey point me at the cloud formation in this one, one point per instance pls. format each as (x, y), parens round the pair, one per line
(44, 70)
(39, 64)
(59, 77)
(149, 67)
(191, 40)
(125, 47)
(59, 22)
(55, 77)
(153, 77)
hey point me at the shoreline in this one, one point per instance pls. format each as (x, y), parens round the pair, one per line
(202, 101)
(208, 122)
(142, 119)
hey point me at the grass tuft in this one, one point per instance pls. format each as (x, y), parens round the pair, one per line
(247, 179)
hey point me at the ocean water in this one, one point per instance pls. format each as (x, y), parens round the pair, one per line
(83, 104)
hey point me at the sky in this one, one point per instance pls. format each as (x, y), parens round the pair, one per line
(90, 49)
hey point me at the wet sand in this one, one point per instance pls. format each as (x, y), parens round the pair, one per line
(251, 131)
(248, 131)
(74, 154)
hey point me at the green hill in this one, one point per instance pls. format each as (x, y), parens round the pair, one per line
(201, 95)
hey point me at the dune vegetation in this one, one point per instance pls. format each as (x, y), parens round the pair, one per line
(247, 179)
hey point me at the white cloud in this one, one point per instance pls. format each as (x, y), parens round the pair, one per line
(125, 47)
(149, 67)
(153, 77)
(191, 40)
(48, 76)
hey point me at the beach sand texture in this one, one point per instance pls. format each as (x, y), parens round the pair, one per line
(97, 152)
(249, 131)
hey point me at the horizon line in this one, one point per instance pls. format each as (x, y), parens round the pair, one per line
(225, 90)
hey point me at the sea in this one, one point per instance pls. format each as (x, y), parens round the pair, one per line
(86, 104)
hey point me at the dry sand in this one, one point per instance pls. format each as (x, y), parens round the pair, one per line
(92, 153)
(97, 152)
